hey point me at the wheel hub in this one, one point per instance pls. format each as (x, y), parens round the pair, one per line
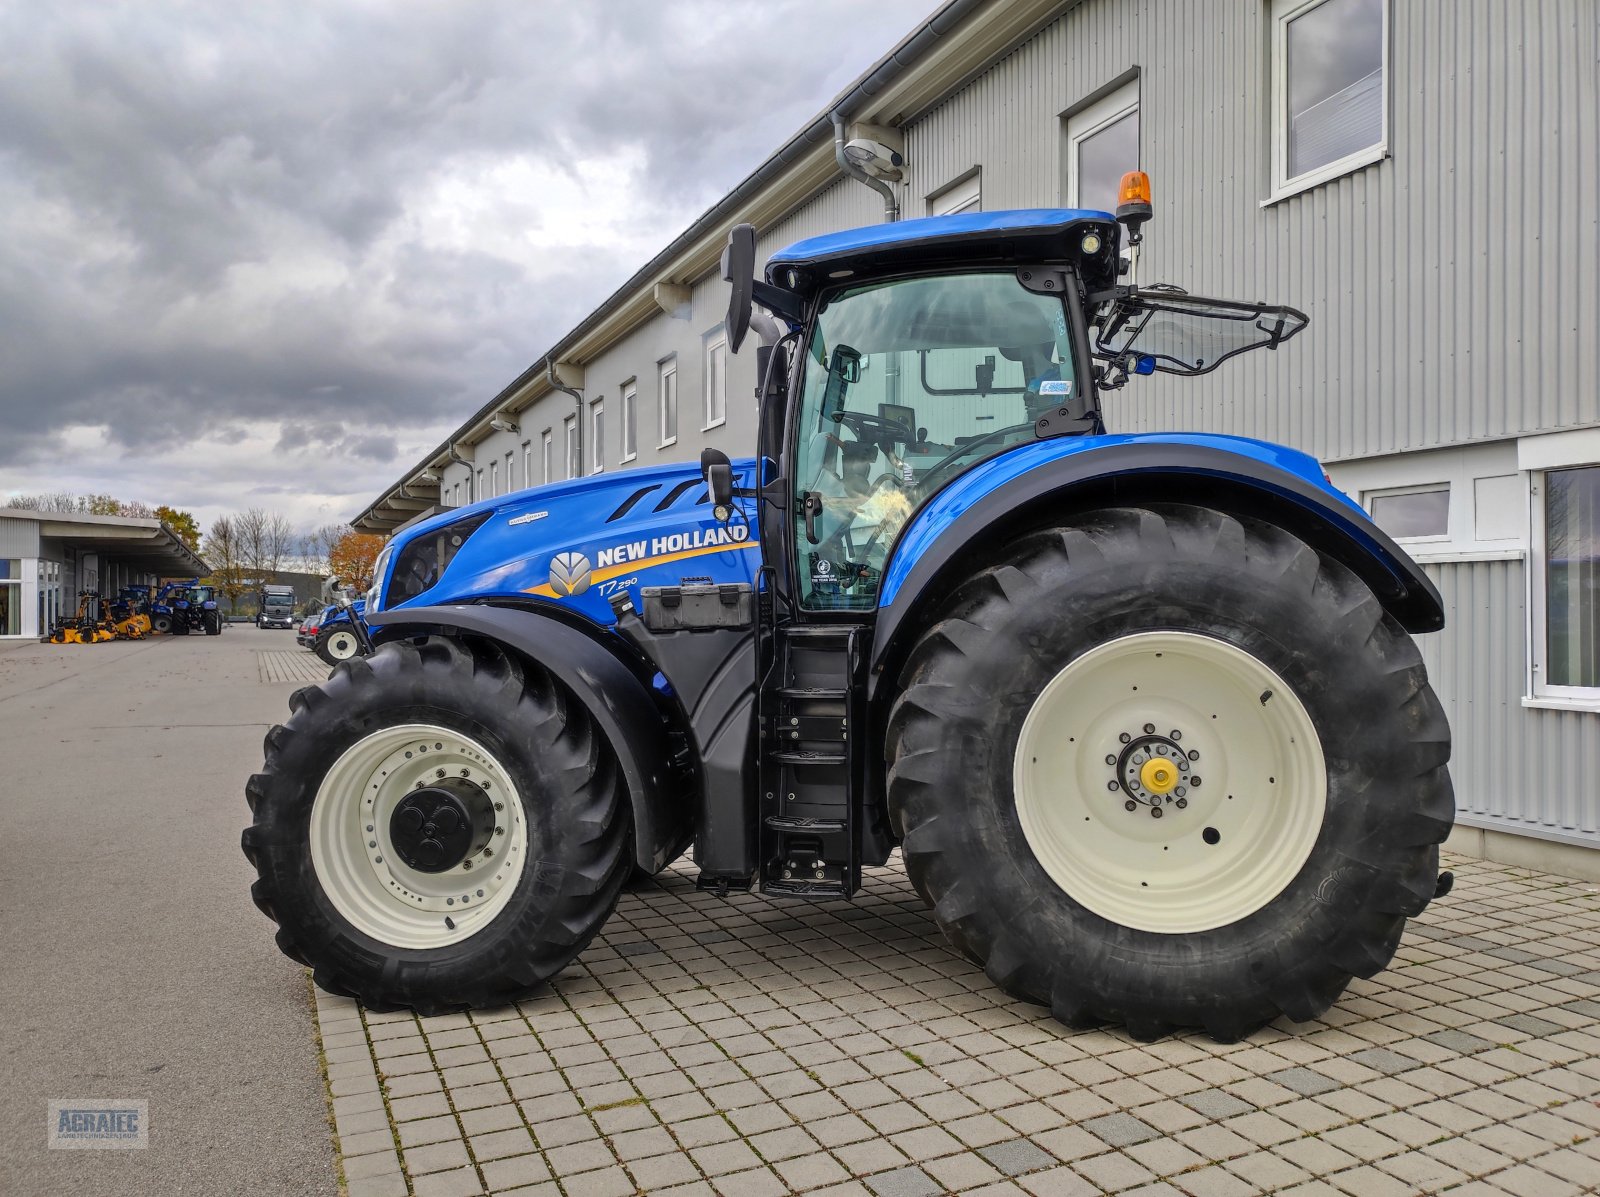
(1152, 770)
(435, 828)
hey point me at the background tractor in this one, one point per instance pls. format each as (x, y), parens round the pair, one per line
(1142, 712)
(338, 634)
(194, 609)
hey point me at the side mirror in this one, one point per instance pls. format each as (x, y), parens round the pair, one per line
(738, 269)
(717, 470)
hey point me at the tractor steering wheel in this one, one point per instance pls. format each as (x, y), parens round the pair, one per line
(961, 451)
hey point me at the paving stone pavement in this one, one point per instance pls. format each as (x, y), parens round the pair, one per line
(743, 1046)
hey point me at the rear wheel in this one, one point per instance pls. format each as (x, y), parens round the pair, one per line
(337, 644)
(436, 827)
(1170, 769)
(161, 623)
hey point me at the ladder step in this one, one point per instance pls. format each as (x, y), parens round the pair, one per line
(821, 631)
(792, 825)
(804, 757)
(811, 692)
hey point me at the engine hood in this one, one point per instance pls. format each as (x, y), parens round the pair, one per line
(577, 543)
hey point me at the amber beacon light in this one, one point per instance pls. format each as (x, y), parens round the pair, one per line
(1133, 199)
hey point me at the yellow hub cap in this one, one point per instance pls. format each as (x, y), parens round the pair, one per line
(1158, 776)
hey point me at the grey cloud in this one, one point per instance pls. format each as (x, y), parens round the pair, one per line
(206, 207)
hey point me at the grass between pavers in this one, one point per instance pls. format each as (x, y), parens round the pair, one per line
(327, 1085)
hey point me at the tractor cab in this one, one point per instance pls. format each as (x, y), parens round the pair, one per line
(916, 351)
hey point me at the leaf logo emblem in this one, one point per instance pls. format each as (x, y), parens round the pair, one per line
(569, 574)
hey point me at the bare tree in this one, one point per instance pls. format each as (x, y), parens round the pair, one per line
(223, 553)
(277, 542)
(317, 546)
(250, 532)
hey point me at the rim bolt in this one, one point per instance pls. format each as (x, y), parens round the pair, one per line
(1155, 812)
(1112, 786)
(499, 806)
(1194, 754)
(1130, 804)
(466, 773)
(1149, 729)
(1180, 791)
(1181, 803)
(1176, 734)
(1194, 781)
(1124, 737)
(498, 831)
(369, 827)
(466, 864)
(372, 843)
(1110, 759)
(438, 772)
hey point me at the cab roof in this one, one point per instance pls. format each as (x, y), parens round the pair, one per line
(972, 238)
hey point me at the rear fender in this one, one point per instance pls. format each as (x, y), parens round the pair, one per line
(1047, 480)
(616, 696)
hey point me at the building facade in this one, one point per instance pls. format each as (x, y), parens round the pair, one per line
(1420, 176)
(46, 558)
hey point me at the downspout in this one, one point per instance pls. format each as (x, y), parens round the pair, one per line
(891, 206)
(472, 486)
(577, 407)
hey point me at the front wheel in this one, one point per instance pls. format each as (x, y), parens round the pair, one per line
(437, 827)
(161, 623)
(340, 644)
(213, 623)
(1170, 769)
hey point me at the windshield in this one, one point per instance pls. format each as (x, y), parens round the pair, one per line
(906, 385)
(279, 602)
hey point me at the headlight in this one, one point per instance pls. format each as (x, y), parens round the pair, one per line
(379, 568)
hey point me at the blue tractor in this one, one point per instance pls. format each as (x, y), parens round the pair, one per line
(1143, 713)
(338, 634)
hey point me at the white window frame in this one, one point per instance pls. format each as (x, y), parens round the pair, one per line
(963, 194)
(668, 368)
(1579, 449)
(570, 449)
(478, 493)
(597, 438)
(630, 420)
(494, 479)
(1421, 488)
(716, 340)
(1091, 119)
(1283, 12)
(527, 464)
(547, 455)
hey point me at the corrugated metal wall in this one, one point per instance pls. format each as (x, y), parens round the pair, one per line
(1452, 288)
(1524, 770)
(18, 538)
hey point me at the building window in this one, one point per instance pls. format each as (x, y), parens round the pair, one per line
(510, 484)
(1412, 512)
(11, 596)
(527, 464)
(569, 430)
(630, 421)
(667, 394)
(964, 195)
(597, 436)
(716, 381)
(1102, 146)
(546, 456)
(1567, 564)
(478, 493)
(494, 480)
(1329, 89)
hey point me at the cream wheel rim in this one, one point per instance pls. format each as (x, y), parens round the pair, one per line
(1170, 782)
(343, 645)
(354, 854)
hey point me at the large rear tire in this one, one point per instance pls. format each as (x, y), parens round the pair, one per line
(180, 624)
(357, 865)
(1168, 768)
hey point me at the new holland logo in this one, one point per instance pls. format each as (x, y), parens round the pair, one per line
(569, 574)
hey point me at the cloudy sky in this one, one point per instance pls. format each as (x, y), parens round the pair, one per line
(268, 255)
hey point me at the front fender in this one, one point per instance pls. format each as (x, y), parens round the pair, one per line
(1046, 479)
(617, 698)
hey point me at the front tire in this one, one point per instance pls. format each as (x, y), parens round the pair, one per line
(161, 624)
(213, 623)
(338, 644)
(1170, 769)
(382, 911)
